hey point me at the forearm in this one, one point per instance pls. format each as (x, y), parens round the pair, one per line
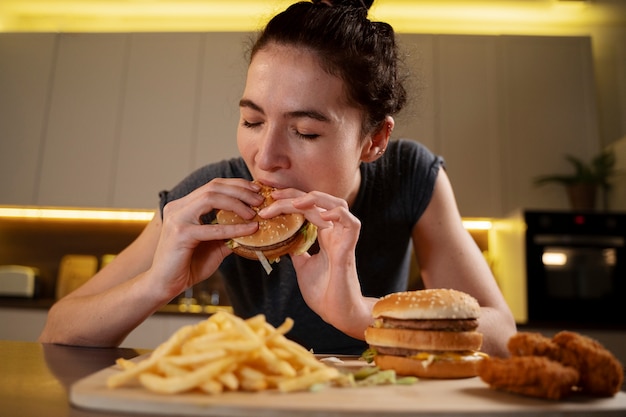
(356, 318)
(496, 328)
(102, 319)
(345, 307)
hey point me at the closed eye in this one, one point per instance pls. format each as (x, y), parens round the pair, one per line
(304, 136)
(250, 125)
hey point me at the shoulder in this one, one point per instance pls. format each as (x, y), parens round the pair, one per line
(228, 168)
(413, 152)
(404, 176)
(407, 161)
(415, 169)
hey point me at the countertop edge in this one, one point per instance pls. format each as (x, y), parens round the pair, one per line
(46, 303)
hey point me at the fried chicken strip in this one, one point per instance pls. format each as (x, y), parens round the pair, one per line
(601, 374)
(533, 344)
(535, 376)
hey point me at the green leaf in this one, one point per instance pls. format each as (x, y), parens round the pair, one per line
(599, 171)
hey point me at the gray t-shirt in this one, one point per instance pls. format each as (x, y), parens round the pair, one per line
(394, 192)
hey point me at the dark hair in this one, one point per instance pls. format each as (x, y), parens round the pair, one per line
(361, 52)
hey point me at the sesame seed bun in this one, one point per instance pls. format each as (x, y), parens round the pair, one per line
(428, 333)
(437, 303)
(425, 339)
(278, 236)
(441, 367)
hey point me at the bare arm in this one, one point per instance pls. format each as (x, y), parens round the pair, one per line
(449, 258)
(112, 303)
(168, 257)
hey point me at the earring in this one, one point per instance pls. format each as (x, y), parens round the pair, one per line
(380, 152)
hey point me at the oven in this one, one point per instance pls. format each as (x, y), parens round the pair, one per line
(575, 267)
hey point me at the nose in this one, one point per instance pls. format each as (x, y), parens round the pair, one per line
(272, 153)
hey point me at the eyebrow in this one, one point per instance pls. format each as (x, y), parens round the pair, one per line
(311, 114)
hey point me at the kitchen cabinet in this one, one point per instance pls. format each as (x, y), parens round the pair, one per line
(157, 329)
(222, 74)
(158, 116)
(109, 120)
(467, 106)
(417, 120)
(505, 109)
(548, 110)
(181, 109)
(22, 323)
(112, 119)
(81, 144)
(26, 67)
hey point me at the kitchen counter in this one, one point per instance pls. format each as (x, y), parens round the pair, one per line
(46, 303)
(35, 380)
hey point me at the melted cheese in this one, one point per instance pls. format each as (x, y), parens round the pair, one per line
(429, 357)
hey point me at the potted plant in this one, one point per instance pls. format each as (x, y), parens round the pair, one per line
(582, 185)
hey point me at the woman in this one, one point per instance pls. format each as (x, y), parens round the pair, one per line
(316, 117)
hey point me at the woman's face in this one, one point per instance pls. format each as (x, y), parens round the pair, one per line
(296, 128)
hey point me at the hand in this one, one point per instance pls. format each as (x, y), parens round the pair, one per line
(189, 251)
(328, 280)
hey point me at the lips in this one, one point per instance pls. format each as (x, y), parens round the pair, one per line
(270, 183)
(280, 184)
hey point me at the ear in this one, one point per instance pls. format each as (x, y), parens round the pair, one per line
(376, 145)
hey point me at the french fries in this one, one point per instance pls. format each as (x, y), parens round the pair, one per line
(226, 353)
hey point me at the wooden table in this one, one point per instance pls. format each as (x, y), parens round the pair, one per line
(35, 378)
(38, 379)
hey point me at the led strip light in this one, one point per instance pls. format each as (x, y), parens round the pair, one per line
(75, 214)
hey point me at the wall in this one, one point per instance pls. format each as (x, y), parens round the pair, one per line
(109, 120)
(609, 54)
(617, 192)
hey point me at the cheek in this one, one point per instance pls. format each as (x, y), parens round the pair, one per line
(243, 143)
(335, 169)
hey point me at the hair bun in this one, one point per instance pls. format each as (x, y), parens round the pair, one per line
(347, 3)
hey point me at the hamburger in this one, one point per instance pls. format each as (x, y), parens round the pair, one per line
(278, 236)
(427, 333)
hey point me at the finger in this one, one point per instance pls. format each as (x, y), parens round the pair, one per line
(319, 199)
(283, 206)
(341, 215)
(210, 232)
(309, 204)
(324, 209)
(236, 188)
(310, 212)
(235, 195)
(299, 260)
(284, 193)
(201, 208)
(239, 188)
(294, 201)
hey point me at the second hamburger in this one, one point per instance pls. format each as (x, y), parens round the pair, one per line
(428, 333)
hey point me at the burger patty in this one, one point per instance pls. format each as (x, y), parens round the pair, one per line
(451, 325)
(397, 351)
